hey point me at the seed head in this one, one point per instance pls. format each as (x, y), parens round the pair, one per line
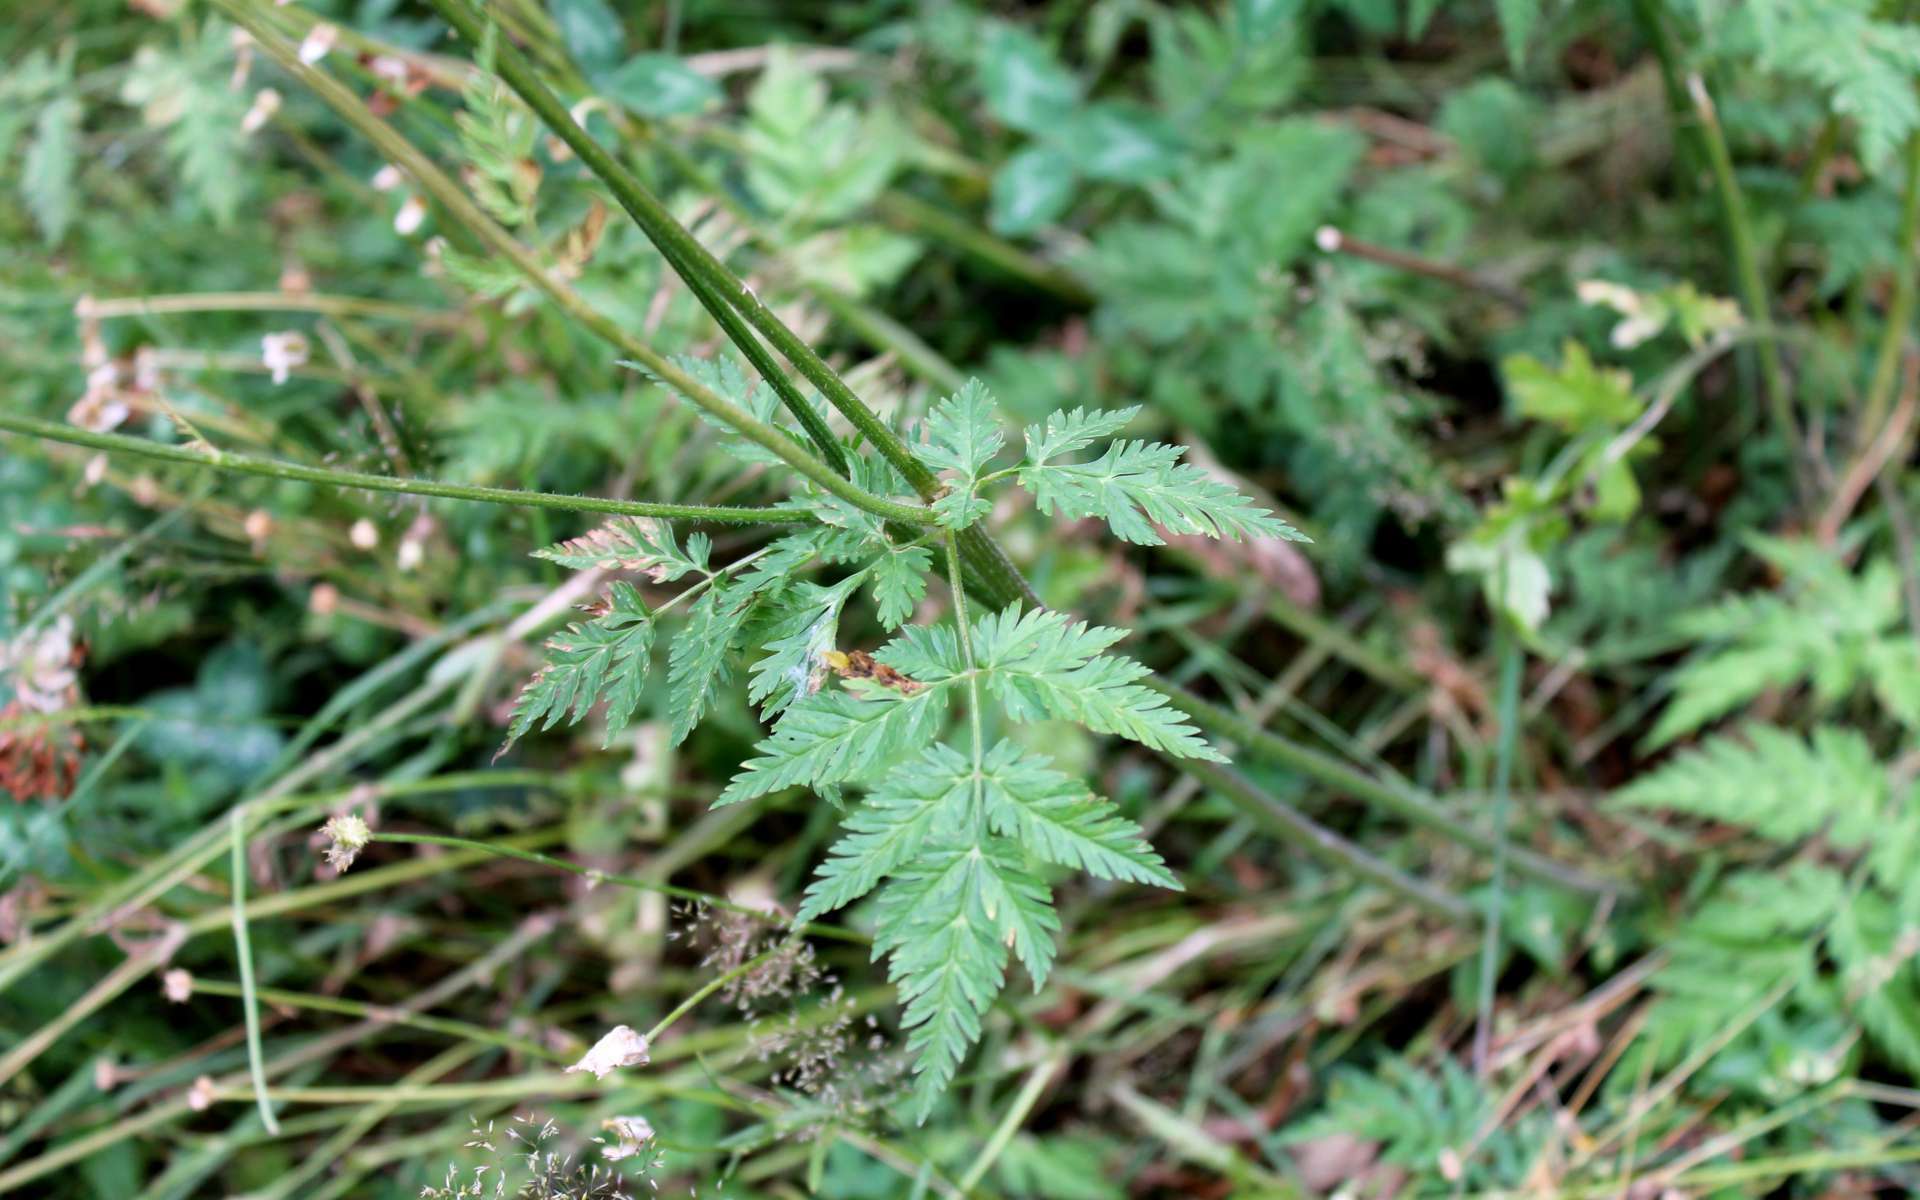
(347, 835)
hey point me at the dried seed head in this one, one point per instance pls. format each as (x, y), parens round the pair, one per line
(621, 1047)
(631, 1135)
(347, 835)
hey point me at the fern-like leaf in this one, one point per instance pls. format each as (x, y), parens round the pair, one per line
(633, 544)
(888, 829)
(608, 656)
(1774, 783)
(835, 737)
(1054, 815)
(796, 644)
(1044, 664)
(1137, 485)
(899, 582)
(963, 436)
(697, 665)
(949, 963)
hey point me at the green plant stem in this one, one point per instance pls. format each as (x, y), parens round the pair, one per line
(710, 987)
(712, 283)
(1886, 364)
(1507, 709)
(1290, 825)
(1746, 265)
(308, 302)
(454, 200)
(1399, 799)
(993, 571)
(239, 464)
(1016, 1116)
(243, 954)
(626, 881)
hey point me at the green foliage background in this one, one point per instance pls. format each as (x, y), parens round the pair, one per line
(1569, 840)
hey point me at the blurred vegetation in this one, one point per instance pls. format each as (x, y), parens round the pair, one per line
(1568, 843)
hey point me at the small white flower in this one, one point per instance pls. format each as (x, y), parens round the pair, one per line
(364, 535)
(621, 1047)
(41, 665)
(177, 985)
(347, 835)
(318, 42)
(1327, 238)
(106, 1074)
(266, 102)
(387, 178)
(631, 1135)
(282, 352)
(412, 214)
(200, 1096)
(323, 600)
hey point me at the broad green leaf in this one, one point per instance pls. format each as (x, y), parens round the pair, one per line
(1576, 397)
(1517, 21)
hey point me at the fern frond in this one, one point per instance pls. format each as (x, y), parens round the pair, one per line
(608, 656)
(887, 830)
(949, 963)
(834, 737)
(1044, 664)
(899, 582)
(795, 645)
(963, 435)
(697, 663)
(1056, 817)
(633, 544)
(1064, 432)
(1772, 782)
(1136, 485)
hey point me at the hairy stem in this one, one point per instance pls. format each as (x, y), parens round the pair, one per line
(270, 468)
(454, 200)
(990, 567)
